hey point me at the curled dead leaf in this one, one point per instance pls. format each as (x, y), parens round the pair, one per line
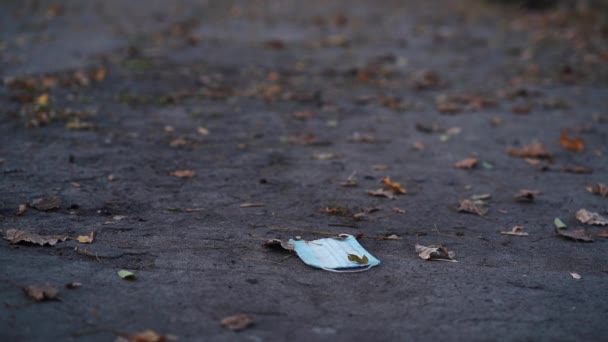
(238, 322)
(41, 293)
(472, 207)
(435, 253)
(536, 150)
(278, 243)
(576, 235)
(17, 236)
(46, 203)
(525, 195)
(587, 217)
(516, 231)
(395, 187)
(468, 163)
(575, 145)
(183, 173)
(599, 189)
(86, 238)
(381, 193)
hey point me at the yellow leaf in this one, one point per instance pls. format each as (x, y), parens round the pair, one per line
(86, 238)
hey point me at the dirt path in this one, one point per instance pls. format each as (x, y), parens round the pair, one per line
(278, 103)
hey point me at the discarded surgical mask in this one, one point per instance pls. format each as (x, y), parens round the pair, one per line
(339, 254)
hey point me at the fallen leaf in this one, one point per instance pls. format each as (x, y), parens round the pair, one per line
(481, 197)
(323, 156)
(183, 173)
(588, 217)
(472, 207)
(532, 161)
(202, 131)
(577, 169)
(303, 139)
(599, 189)
(381, 193)
(525, 195)
(118, 217)
(17, 236)
(41, 293)
(363, 138)
(21, 210)
(575, 145)
(559, 224)
(278, 243)
(338, 211)
(536, 150)
(73, 285)
(86, 238)
(435, 253)
(391, 237)
(398, 210)
(76, 124)
(602, 233)
(43, 100)
(357, 259)
(418, 146)
(46, 203)
(517, 231)
(146, 336)
(468, 163)
(126, 275)
(237, 322)
(576, 235)
(575, 275)
(395, 187)
(251, 205)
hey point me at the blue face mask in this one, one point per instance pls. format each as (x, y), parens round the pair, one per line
(332, 254)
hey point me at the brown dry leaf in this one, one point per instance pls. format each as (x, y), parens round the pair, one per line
(525, 195)
(147, 336)
(536, 150)
(16, 236)
(202, 131)
(41, 293)
(398, 210)
(338, 211)
(468, 163)
(576, 235)
(237, 322)
(587, 217)
(86, 238)
(575, 145)
(73, 285)
(381, 193)
(183, 173)
(303, 139)
(46, 203)
(251, 205)
(278, 243)
(516, 231)
(395, 187)
(577, 169)
(472, 207)
(599, 189)
(21, 210)
(602, 233)
(435, 253)
(43, 100)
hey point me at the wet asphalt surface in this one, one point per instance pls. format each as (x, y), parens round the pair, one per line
(294, 97)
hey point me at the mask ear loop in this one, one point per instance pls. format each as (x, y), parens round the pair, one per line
(347, 271)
